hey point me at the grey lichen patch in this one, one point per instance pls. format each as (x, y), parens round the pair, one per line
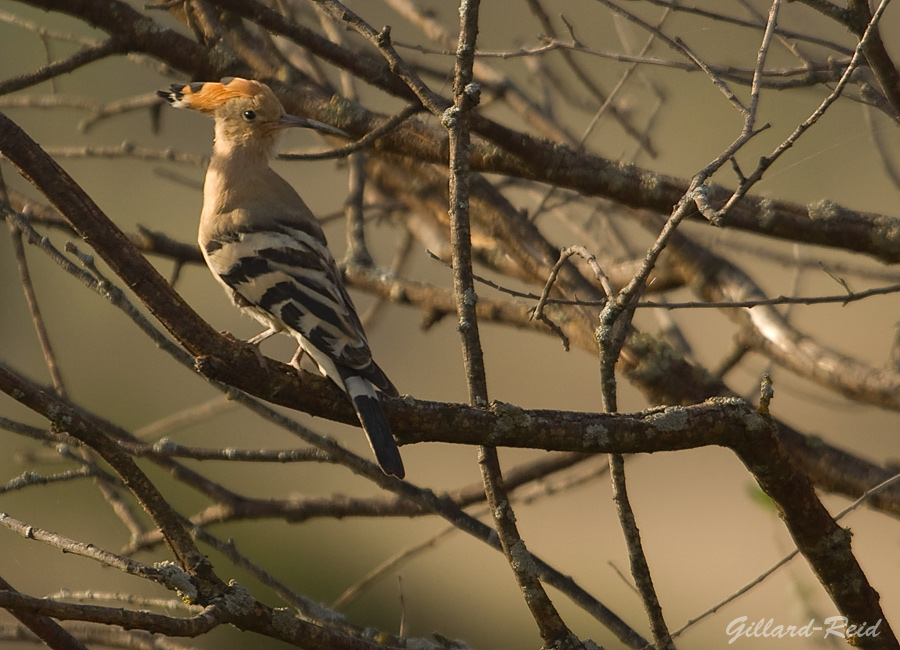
(651, 185)
(448, 117)
(825, 210)
(175, 578)
(146, 26)
(285, 622)
(164, 446)
(520, 559)
(833, 549)
(503, 511)
(238, 600)
(60, 419)
(510, 418)
(753, 421)
(766, 213)
(674, 418)
(727, 401)
(837, 542)
(617, 176)
(885, 236)
(595, 436)
(473, 92)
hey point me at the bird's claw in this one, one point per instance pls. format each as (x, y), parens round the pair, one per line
(253, 347)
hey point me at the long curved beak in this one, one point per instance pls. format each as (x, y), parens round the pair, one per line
(294, 121)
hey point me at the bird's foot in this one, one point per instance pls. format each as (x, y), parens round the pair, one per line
(296, 359)
(253, 347)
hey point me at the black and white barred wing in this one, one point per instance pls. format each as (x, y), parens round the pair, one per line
(286, 276)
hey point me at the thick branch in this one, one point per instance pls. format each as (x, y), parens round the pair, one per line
(825, 545)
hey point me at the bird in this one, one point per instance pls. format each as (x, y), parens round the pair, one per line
(267, 249)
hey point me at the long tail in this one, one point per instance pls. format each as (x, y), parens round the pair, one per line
(368, 407)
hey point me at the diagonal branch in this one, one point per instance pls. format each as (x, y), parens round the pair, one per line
(80, 59)
(825, 545)
(68, 419)
(860, 21)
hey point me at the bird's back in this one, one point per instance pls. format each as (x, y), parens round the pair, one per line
(264, 244)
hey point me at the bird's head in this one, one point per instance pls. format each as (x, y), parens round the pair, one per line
(247, 112)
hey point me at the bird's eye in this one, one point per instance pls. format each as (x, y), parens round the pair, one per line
(248, 115)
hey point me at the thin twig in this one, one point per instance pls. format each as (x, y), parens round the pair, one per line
(606, 105)
(767, 161)
(50, 71)
(367, 140)
(466, 95)
(196, 625)
(564, 255)
(382, 40)
(28, 479)
(36, 318)
(582, 75)
(91, 551)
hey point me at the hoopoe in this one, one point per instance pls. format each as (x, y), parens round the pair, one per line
(265, 246)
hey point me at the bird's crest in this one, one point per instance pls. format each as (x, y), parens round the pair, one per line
(207, 96)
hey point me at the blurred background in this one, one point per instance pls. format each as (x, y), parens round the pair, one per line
(706, 531)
